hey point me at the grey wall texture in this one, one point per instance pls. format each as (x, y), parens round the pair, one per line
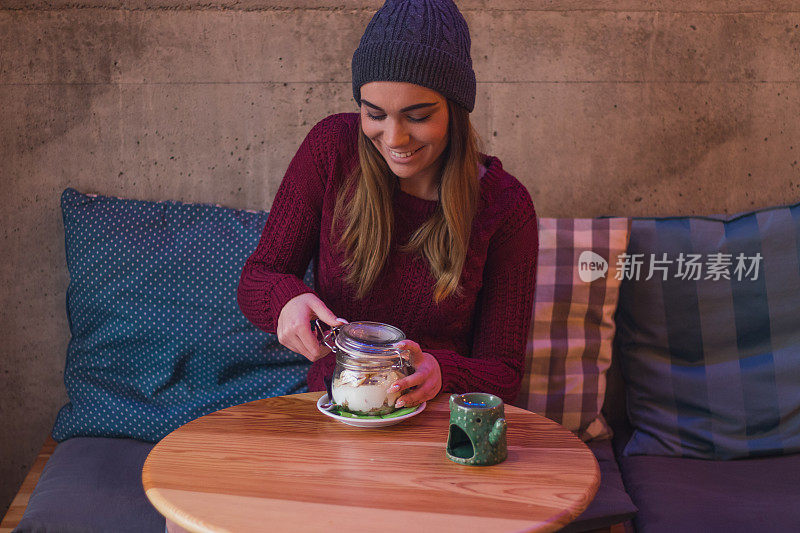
(626, 107)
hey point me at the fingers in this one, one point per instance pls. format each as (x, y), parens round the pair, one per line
(299, 338)
(414, 350)
(415, 356)
(427, 378)
(312, 349)
(294, 325)
(424, 392)
(308, 336)
(321, 311)
(417, 378)
(296, 344)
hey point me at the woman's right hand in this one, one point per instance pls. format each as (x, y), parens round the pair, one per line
(294, 325)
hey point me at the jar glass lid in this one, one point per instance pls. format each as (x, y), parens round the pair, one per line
(369, 338)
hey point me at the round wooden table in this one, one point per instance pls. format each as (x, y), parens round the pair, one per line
(280, 465)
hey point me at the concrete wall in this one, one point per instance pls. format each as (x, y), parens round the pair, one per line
(632, 107)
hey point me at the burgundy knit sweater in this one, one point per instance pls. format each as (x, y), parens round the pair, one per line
(478, 338)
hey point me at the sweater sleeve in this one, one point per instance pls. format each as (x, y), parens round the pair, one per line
(273, 274)
(503, 314)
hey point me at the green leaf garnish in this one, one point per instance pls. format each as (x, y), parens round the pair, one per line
(347, 414)
(400, 412)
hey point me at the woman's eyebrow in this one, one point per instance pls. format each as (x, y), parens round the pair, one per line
(409, 108)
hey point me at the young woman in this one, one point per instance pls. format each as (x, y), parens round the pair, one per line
(408, 222)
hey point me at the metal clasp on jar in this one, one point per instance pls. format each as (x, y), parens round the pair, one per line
(328, 338)
(403, 364)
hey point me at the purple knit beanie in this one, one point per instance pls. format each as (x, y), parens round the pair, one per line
(424, 42)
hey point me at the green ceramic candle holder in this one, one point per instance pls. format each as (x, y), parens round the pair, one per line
(477, 433)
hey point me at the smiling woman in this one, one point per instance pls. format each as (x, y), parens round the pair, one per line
(408, 222)
(415, 151)
(412, 138)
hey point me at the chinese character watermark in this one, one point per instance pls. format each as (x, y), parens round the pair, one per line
(691, 267)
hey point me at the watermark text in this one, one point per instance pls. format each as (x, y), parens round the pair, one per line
(694, 267)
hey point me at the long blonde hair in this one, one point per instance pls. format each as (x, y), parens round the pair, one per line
(442, 239)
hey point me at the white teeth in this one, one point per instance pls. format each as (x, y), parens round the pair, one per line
(404, 154)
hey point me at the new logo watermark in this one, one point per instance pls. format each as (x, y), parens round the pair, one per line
(591, 266)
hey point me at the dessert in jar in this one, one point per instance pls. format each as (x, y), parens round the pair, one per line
(366, 366)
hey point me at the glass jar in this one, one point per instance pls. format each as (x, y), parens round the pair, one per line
(366, 366)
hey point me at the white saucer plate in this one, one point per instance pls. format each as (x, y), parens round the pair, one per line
(367, 422)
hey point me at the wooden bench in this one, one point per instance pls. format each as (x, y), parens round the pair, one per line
(20, 502)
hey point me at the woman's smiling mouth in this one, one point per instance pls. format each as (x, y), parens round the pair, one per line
(402, 156)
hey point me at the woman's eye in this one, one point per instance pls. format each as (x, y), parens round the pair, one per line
(412, 119)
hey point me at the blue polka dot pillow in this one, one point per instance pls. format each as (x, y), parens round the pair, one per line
(157, 336)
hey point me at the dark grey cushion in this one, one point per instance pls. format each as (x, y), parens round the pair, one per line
(93, 484)
(611, 504)
(676, 494)
(709, 344)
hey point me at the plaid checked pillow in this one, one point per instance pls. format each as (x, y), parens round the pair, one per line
(709, 344)
(572, 329)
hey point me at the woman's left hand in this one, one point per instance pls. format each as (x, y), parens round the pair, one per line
(427, 377)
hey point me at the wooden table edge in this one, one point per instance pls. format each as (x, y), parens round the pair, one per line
(176, 517)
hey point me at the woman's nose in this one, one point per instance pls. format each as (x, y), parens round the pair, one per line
(396, 135)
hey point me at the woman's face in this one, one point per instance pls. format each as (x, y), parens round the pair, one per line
(401, 119)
